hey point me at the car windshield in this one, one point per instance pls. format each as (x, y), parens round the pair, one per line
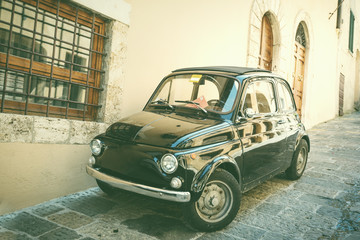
(201, 91)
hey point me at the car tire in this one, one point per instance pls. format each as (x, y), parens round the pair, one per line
(299, 160)
(218, 204)
(106, 188)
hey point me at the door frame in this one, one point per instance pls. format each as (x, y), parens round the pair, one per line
(263, 46)
(303, 19)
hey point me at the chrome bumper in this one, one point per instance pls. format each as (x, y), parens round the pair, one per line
(174, 196)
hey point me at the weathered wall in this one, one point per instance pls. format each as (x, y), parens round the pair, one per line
(33, 129)
(43, 158)
(113, 81)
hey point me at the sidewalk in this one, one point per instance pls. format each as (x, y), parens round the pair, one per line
(323, 204)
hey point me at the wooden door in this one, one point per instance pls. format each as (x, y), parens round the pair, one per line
(266, 45)
(299, 75)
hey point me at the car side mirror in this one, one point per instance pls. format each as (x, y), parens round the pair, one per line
(249, 112)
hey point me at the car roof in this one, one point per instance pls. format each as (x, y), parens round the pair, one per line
(225, 69)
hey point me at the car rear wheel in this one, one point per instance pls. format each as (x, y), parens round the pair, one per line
(106, 188)
(217, 205)
(298, 163)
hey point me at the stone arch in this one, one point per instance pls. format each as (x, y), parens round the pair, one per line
(272, 10)
(302, 20)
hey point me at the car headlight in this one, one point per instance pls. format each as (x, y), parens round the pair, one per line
(96, 146)
(169, 163)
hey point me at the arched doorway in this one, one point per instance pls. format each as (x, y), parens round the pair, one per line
(299, 69)
(266, 44)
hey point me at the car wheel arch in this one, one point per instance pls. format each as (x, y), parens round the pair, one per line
(299, 138)
(307, 139)
(201, 177)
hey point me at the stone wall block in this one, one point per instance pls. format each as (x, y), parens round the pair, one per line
(254, 48)
(103, 127)
(113, 104)
(274, 6)
(257, 11)
(253, 61)
(255, 34)
(256, 22)
(117, 54)
(51, 130)
(114, 77)
(15, 128)
(82, 132)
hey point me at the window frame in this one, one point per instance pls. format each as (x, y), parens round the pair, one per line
(351, 31)
(161, 85)
(286, 85)
(244, 92)
(90, 80)
(338, 14)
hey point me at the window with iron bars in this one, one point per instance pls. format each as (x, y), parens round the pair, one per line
(50, 59)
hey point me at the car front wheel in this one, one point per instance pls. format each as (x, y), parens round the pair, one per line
(218, 204)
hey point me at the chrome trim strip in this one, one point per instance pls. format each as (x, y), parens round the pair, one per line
(175, 196)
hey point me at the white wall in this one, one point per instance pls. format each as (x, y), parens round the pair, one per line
(348, 64)
(166, 35)
(116, 9)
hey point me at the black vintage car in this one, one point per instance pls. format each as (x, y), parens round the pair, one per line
(206, 135)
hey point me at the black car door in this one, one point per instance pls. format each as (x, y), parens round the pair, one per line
(290, 118)
(261, 130)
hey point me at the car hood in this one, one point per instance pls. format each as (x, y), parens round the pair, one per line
(167, 130)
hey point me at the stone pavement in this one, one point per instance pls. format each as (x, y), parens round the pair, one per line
(323, 204)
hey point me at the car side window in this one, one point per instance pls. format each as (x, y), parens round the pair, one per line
(260, 97)
(285, 99)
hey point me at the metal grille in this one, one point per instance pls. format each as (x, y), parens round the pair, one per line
(50, 59)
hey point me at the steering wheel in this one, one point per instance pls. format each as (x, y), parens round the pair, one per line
(216, 104)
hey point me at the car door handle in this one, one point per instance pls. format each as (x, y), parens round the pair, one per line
(281, 121)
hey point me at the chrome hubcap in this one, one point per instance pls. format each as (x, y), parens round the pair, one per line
(301, 161)
(215, 202)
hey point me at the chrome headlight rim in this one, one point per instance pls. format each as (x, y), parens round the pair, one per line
(96, 147)
(165, 161)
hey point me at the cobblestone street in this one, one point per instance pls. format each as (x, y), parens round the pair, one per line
(323, 204)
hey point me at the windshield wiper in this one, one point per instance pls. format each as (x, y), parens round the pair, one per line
(195, 103)
(164, 102)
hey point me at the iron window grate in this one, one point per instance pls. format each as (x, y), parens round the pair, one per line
(50, 59)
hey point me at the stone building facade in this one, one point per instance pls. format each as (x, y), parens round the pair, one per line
(44, 137)
(206, 34)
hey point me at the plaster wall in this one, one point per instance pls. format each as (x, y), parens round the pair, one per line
(165, 35)
(33, 173)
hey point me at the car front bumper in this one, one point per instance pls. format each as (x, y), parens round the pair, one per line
(175, 196)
